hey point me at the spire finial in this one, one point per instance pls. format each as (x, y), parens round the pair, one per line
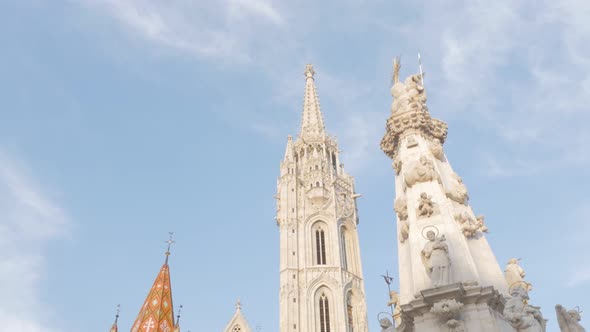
(309, 72)
(170, 241)
(115, 328)
(238, 305)
(178, 316)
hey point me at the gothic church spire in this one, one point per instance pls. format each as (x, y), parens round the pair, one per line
(312, 121)
(157, 314)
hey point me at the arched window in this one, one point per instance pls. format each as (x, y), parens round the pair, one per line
(324, 314)
(343, 248)
(349, 315)
(320, 246)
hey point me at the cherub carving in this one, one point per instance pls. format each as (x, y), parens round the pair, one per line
(458, 192)
(469, 226)
(569, 320)
(422, 171)
(426, 206)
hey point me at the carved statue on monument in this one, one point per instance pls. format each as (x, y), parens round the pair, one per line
(469, 226)
(426, 206)
(458, 192)
(436, 260)
(409, 95)
(401, 208)
(515, 274)
(422, 171)
(569, 320)
(437, 149)
(397, 311)
(523, 317)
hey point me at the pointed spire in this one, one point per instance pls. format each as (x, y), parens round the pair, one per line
(157, 313)
(115, 328)
(312, 122)
(289, 149)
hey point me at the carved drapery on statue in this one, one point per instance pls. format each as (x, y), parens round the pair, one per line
(436, 260)
(568, 320)
(523, 317)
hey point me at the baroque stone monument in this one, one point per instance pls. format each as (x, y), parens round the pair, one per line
(449, 277)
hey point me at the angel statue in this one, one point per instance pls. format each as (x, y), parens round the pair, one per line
(514, 273)
(523, 317)
(436, 260)
(569, 320)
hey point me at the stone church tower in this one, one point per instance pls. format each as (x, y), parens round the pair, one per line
(321, 283)
(449, 277)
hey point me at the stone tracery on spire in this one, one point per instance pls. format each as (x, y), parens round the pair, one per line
(312, 121)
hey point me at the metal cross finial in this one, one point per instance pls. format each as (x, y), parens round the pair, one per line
(170, 241)
(421, 72)
(117, 314)
(178, 315)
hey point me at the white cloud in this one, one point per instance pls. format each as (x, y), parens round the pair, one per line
(28, 219)
(200, 28)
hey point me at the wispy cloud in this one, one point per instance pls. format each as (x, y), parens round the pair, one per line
(28, 220)
(203, 28)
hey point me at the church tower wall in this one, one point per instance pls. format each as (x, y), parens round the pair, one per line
(321, 285)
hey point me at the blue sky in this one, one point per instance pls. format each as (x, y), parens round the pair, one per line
(123, 120)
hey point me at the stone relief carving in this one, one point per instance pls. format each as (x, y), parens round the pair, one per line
(569, 320)
(426, 206)
(523, 317)
(515, 274)
(401, 208)
(469, 226)
(422, 171)
(446, 309)
(409, 95)
(344, 203)
(437, 149)
(458, 192)
(436, 260)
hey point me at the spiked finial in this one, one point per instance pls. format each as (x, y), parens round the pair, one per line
(115, 328)
(177, 325)
(309, 72)
(170, 241)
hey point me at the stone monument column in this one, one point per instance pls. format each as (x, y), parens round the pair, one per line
(449, 277)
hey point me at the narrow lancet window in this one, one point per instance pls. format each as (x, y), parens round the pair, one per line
(324, 314)
(320, 244)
